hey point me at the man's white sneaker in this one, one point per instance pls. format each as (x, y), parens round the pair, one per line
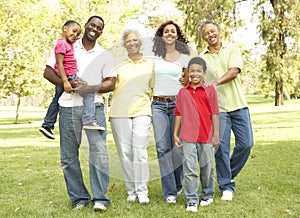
(99, 207)
(192, 207)
(143, 199)
(131, 198)
(206, 202)
(171, 199)
(227, 196)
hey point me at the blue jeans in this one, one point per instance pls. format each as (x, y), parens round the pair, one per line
(169, 156)
(194, 153)
(229, 167)
(52, 112)
(70, 128)
(88, 112)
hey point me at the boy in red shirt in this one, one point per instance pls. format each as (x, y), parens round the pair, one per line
(197, 120)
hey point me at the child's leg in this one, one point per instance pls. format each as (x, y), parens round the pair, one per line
(88, 113)
(190, 171)
(206, 154)
(52, 112)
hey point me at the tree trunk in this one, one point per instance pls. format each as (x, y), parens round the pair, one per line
(17, 111)
(279, 94)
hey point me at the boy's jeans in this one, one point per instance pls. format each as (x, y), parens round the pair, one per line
(195, 153)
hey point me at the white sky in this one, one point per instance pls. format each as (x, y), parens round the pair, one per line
(247, 34)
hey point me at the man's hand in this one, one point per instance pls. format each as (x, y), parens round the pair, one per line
(82, 88)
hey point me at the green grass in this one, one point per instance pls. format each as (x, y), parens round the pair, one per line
(32, 184)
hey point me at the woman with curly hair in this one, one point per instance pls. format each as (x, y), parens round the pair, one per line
(172, 55)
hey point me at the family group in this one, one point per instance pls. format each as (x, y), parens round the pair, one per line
(193, 104)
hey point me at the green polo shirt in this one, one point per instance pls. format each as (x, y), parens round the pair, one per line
(230, 95)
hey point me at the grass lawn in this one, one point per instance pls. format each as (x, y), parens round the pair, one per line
(32, 183)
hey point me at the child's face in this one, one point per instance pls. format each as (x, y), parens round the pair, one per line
(196, 74)
(72, 32)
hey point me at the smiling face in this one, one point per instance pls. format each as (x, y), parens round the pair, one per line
(71, 32)
(170, 34)
(196, 74)
(210, 33)
(132, 43)
(93, 29)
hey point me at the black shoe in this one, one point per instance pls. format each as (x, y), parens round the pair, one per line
(47, 132)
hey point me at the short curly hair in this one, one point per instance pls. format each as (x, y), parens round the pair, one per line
(126, 32)
(181, 43)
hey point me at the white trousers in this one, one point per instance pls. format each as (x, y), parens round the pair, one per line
(131, 137)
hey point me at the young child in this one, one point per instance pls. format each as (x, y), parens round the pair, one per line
(197, 120)
(66, 68)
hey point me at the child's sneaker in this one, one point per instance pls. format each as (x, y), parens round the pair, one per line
(93, 126)
(47, 132)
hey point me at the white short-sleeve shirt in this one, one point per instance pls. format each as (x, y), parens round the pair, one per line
(93, 66)
(167, 75)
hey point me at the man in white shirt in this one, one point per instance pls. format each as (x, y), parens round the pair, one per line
(96, 67)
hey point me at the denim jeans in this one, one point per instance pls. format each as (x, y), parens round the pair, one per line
(88, 112)
(194, 153)
(229, 167)
(52, 112)
(169, 156)
(70, 127)
(131, 136)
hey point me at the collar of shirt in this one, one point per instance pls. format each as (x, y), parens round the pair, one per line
(97, 47)
(203, 86)
(224, 45)
(127, 59)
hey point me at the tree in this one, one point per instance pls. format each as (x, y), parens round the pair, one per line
(22, 42)
(279, 28)
(225, 14)
(197, 11)
(29, 29)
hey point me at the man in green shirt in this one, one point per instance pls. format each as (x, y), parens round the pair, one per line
(225, 63)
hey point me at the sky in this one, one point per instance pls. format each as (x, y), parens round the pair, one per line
(247, 34)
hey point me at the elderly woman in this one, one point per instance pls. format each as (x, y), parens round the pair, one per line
(130, 116)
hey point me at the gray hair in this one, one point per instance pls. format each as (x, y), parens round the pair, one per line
(207, 22)
(126, 32)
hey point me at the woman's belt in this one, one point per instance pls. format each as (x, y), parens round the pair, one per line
(164, 98)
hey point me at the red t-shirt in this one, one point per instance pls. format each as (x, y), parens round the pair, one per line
(70, 63)
(196, 107)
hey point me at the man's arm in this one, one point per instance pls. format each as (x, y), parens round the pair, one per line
(231, 74)
(107, 85)
(52, 77)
